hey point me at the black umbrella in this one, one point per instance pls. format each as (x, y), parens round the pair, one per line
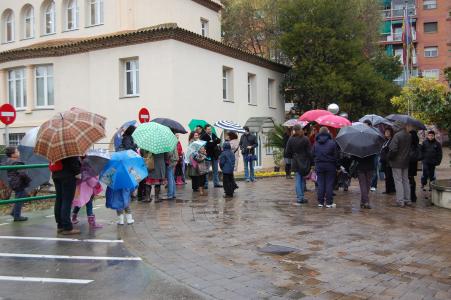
(375, 120)
(175, 126)
(360, 140)
(407, 120)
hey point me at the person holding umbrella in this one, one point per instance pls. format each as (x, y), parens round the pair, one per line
(385, 166)
(286, 136)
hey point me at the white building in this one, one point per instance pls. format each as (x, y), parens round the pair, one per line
(116, 56)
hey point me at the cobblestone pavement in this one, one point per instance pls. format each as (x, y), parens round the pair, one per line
(212, 245)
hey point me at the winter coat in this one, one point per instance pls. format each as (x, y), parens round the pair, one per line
(235, 145)
(285, 139)
(117, 199)
(159, 171)
(71, 168)
(398, 155)
(365, 164)
(128, 143)
(18, 180)
(199, 165)
(227, 159)
(86, 188)
(432, 152)
(325, 153)
(415, 145)
(298, 149)
(212, 146)
(246, 141)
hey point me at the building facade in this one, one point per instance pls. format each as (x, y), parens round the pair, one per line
(431, 34)
(115, 56)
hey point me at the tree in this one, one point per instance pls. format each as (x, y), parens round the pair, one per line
(331, 46)
(428, 100)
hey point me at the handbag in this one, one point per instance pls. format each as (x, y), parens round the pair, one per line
(150, 162)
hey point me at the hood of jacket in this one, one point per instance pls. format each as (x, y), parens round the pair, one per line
(322, 138)
(226, 146)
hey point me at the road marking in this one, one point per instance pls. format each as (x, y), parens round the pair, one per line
(35, 238)
(45, 280)
(50, 216)
(21, 255)
(4, 224)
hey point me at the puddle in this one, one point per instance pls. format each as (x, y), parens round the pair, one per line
(277, 249)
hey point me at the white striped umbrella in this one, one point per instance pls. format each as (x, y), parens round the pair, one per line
(230, 126)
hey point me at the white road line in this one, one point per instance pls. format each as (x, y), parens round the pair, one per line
(95, 208)
(4, 224)
(50, 216)
(22, 255)
(45, 280)
(35, 238)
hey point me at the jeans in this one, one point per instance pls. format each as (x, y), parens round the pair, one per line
(364, 183)
(299, 184)
(17, 209)
(428, 173)
(89, 210)
(326, 180)
(249, 168)
(215, 169)
(375, 173)
(401, 177)
(171, 181)
(65, 192)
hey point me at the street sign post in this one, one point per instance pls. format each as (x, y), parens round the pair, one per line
(7, 117)
(144, 115)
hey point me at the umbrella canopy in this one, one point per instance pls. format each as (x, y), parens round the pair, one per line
(117, 139)
(333, 121)
(175, 126)
(68, 134)
(312, 115)
(38, 176)
(155, 138)
(229, 126)
(97, 159)
(193, 148)
(292, 122)
(30, 138)
(194, 123)
(360, 140)
(125, 170)
(407, 120)
(375, 120)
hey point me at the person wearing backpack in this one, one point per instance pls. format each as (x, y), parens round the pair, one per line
(298, 150)
(432, 156)
(18, 181)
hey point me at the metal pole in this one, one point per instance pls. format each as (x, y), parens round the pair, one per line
(6, 135)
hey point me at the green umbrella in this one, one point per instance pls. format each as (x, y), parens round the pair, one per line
(194, 123)
(154, 138)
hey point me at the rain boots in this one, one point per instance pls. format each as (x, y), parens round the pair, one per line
(121, 219)
(179, 181)
(75, 219)
(92, 222)
(157, 194)
(129, 219)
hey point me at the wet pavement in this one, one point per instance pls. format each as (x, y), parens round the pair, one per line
(256, 246)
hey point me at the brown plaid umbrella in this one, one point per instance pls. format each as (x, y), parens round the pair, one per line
(70, 133)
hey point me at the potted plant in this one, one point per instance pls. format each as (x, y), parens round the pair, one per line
(278, 159)
(275, 140)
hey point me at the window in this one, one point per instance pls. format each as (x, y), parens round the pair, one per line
(131, 77)
(271, 92)
(15, 138)
(430, 51)
(227, 84)
(204, 27)
(72, 15)
(95, 12)
(44, 86)
(251, 89)
(49, 18)
(432, 74)
(8, 22)
(429, 4)
(17, 88)
(28, 22)
(430, 27)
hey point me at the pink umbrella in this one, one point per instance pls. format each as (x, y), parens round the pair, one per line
(312, 115)
(333, 121)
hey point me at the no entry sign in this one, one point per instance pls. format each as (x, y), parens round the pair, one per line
(144, 115)
(7, 114)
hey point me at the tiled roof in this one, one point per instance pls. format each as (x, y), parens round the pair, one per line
(214, 5)
(145, 35)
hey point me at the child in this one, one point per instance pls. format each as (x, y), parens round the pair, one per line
(119, 200)
(227, 164)
(18, 181)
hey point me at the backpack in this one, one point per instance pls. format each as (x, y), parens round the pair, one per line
(56, 166)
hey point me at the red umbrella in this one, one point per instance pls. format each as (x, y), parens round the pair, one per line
(312, 115)
(333, 121)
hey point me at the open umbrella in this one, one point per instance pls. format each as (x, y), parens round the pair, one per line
(30, 138)
(117, 139)
(312, 115)
(125, 170)
(154, 138)
(175, 126)
(68, 134)
(292, 122)
(193, 148)
(97, 159)
(333, 121)
(407, 120)
(229, 126)
(360, 140)
(195, 122)
(375, 120)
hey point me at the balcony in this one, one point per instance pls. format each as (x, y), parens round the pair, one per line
(399, 12)
(396, 38)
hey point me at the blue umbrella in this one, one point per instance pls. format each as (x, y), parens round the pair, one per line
(125, 170)
(117, 139)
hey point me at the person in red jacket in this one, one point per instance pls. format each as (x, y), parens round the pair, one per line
(180, 164)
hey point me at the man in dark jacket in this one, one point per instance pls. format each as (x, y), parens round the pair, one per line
(325, 154)
(298, 150)
(432, 156)
(65, 179)
(213, 152)
(227, 164)
(248, 143)
(398, 158)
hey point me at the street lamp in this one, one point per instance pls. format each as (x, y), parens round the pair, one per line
(333, 108)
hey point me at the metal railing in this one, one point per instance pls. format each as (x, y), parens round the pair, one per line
(27, 199)
(399, 12)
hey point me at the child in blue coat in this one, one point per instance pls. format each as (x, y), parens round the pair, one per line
(227, 164)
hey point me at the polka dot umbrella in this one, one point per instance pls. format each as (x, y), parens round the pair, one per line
(154, 138)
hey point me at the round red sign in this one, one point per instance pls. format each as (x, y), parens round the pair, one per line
(144, 115)
(7, 114)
